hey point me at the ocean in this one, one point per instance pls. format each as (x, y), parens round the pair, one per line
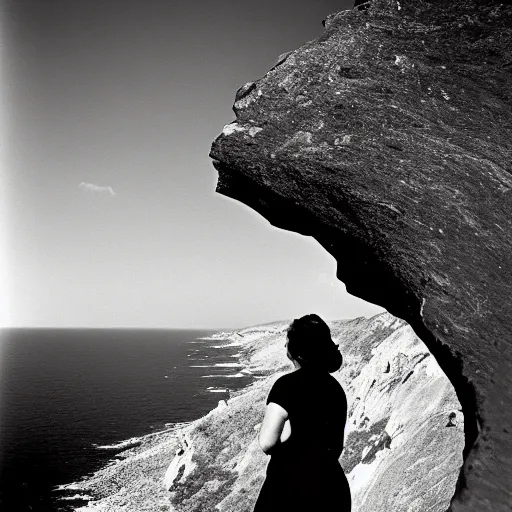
(67, 395)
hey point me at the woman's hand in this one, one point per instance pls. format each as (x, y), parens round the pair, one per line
(273, 429)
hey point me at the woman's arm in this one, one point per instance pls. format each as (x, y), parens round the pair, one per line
(272, 427)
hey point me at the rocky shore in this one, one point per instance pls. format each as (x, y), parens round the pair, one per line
(404, 435)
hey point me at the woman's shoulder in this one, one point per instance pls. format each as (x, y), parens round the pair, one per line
(332, 385)
(288, 377)
(294, 379)
(284, 379)
(282, 389)
(307, 375)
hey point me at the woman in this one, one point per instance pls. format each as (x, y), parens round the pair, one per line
(303, 427)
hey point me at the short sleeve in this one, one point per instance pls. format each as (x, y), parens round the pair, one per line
(280, 394)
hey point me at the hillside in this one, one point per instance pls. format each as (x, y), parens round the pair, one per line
(404, 436)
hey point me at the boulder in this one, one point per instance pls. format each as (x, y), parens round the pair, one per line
(389, 140)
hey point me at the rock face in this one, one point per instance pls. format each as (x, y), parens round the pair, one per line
(389, 140)
(401, 405)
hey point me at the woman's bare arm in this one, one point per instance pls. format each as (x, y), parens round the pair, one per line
(272, 427)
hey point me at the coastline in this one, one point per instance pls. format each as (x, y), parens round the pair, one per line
(401, 409)
(157, 453)
(100, 491)
(93, 492)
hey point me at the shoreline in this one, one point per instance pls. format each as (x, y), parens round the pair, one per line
(401, 404)
(89, 493)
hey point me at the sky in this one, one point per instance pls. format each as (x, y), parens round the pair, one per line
(109, 212)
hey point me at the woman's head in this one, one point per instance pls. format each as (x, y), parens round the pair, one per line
(311, 345)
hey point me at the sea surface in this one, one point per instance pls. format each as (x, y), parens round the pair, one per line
(66, 395)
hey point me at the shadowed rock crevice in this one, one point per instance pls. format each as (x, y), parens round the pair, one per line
(389, 140)
(358, 445)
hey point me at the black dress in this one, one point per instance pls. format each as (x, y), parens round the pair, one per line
(303, 473)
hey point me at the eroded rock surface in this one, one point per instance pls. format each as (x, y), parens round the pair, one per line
(389, 140)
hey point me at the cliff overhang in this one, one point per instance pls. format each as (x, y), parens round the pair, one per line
(389, 140)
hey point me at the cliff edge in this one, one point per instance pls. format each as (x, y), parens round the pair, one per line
(389, 140)
(403, 439)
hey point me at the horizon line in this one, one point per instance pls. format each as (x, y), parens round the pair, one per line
(169, 328)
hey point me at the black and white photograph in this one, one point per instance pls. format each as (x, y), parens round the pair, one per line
(256, 256)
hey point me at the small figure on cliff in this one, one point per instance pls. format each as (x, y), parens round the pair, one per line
(451, 420)
(182, 444)
(303, 427)
(228, 396)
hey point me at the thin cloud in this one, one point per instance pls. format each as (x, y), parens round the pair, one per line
(97, 189)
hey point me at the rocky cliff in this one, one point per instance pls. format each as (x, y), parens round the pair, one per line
(389, 140)
(404, 436)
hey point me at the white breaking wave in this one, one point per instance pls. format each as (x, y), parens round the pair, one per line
(118, 446)
(67, 487)
(84, 497)
(227, 376)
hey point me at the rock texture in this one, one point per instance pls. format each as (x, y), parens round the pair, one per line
(403, 440)
(389, 140)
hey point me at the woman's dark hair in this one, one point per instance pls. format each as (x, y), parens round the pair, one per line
(310, 343)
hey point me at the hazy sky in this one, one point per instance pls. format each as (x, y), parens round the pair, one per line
(109, 108)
